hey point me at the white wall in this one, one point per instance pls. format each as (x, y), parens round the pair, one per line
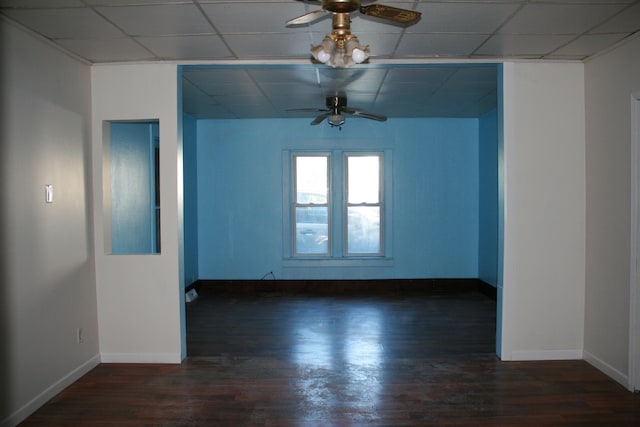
(544, 208)
(139, 296)
(47, 285)
(610, 80)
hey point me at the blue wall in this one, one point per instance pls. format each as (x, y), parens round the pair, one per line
(435, 197)
(190, 180)
(488, 213)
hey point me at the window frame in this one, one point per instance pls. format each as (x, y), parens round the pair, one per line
(337, 215)
(295, 205)
(346, 204)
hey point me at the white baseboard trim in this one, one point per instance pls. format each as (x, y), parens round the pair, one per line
(521, 355)
(607, 369)
(42, 398)
(140, 358)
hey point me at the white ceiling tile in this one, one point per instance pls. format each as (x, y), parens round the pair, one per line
(134, 2)
(186, 47)
(158, 20)
(588, 45)
(439, 45)
(584, 1)
(558, 18)
(362, 24)
(521, 45)
(462, 17)
(76, 23)
(246, 46)
(109, 50)
(627, 21)
(31, 4)
(237, 17)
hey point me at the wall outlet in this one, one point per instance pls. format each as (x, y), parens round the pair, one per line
(80, 335)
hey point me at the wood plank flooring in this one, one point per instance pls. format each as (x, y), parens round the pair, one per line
(300, 359)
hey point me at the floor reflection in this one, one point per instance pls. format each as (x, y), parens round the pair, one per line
(339, 357)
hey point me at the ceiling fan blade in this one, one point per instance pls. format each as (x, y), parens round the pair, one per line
(308, 18)
(311, 110)
(365, 114)
(320, 118)
(404, 17)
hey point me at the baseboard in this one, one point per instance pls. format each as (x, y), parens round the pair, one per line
(171, 358)
(607, 369)
(42, 398)
(523, 355)
(350, 286)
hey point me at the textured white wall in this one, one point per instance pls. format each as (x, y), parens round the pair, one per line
(544, 242)
(139, 296)
(610, 80)
(47, 285)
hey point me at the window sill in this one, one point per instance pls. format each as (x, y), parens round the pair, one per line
(338, 262)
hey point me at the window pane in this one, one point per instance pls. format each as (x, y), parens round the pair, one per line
(363, 230)
(312, 230)
(311, 179)
(364, 179)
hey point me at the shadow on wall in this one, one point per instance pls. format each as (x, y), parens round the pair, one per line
(5, 385)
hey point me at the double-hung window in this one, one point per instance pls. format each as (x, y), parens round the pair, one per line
(337, 205)
(363, 204)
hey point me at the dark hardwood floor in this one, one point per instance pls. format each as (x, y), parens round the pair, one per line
(400, 358)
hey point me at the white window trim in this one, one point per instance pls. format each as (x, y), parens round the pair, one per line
(336, 257)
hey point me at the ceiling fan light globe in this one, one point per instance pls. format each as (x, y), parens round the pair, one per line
(323, 56)
(359, 56)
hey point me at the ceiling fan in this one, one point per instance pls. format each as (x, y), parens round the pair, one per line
(394, 15)
(336, 108)
(340, 48)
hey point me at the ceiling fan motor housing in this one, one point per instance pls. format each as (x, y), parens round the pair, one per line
(341, 6)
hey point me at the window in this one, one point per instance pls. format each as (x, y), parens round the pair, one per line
(337, 205)
(311, 205)
(363, 205)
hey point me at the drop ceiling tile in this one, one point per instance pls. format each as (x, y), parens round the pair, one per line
(361, 24)
(186, 47)
(108, 50)
(583, 1)
(285, 75)
(358, 75)
(246, 46)
(224, 76)
(380, 44)
(558, 18)
(433, 76)
(158, 20)
(239, 18)
(439, 45)
(285, 90)
(297, 99)
(587, 45)
(32, 4)
(477, 76)
(134, 2)
(627, 21)
(519, 45)
(462, 17)
(72, 23)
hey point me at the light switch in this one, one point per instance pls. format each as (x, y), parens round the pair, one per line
(48, 193)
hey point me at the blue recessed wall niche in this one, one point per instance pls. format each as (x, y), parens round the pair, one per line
(134, 202)
(440, 196)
